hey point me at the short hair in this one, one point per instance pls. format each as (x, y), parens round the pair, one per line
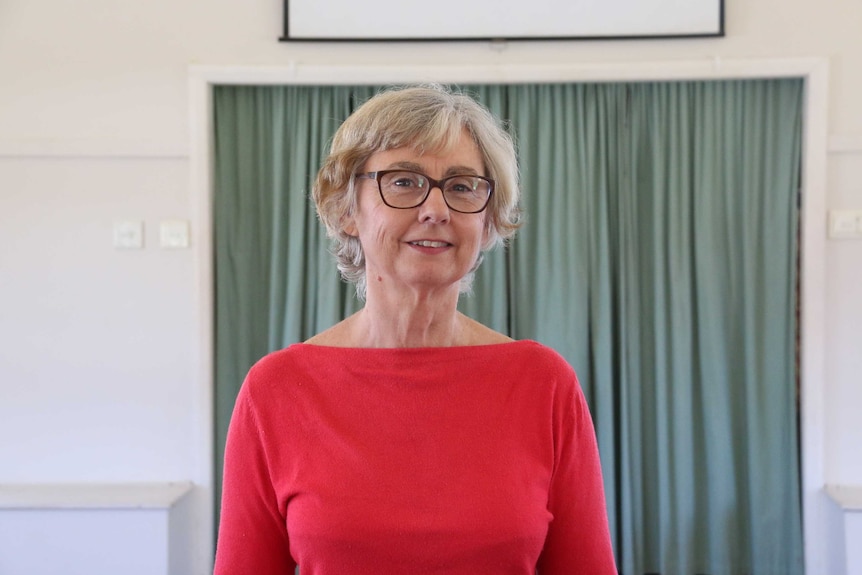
(427, 118)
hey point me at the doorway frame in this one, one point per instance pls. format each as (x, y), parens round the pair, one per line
(815, 75)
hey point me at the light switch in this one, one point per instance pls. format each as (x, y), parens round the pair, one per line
(129, 234)
(174, 234)
(845, 224)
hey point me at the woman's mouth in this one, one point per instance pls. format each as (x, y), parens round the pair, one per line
(430, 244)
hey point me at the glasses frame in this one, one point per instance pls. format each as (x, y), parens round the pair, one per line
(432, 183)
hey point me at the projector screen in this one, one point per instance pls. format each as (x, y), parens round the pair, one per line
(504, 20)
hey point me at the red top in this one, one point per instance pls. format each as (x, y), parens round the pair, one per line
(458, 460)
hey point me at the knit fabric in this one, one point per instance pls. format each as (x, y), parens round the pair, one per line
(459, 460)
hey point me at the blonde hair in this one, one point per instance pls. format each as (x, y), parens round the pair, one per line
(428, 118)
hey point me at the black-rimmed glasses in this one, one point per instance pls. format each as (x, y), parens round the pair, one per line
(404, 189)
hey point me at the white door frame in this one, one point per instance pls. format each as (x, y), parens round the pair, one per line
(814, 73)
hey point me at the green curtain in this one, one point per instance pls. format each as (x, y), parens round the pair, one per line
(658, 256)
(275, 281)
(707, 228)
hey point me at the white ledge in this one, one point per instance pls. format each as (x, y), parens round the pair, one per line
(845, 143)
(99, 148)
(704, 68)
(848, 497)
(92, 495)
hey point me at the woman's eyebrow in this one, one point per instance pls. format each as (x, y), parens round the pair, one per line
(406, 165)
(451, 171)
(461, 170)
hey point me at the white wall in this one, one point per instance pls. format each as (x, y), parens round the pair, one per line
(98, 347)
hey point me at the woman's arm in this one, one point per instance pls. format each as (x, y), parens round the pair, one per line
(252, 531)
(578, 541)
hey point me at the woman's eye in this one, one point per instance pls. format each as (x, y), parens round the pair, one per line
(405, 181)
(460, 186)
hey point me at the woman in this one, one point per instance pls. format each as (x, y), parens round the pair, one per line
(409, 438)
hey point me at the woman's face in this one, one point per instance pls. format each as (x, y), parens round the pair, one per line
(429, 247)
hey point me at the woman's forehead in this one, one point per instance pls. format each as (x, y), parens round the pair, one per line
(431, 143)
(461, 152)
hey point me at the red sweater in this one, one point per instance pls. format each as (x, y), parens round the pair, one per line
(475, 460)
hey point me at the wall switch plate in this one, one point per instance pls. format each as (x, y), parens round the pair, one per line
(174, 234)
(129, 234)
(845, 224)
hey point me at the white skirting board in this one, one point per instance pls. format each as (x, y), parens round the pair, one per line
(848, 499)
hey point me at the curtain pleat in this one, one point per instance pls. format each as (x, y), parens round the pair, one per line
(658, 256)
(275, 280)
(707, 231)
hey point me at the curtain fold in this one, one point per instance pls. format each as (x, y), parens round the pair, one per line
(707, 231)
(658, 256)
(275, 281)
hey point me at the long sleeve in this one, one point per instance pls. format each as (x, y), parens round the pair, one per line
(578, 541)
(252, 533)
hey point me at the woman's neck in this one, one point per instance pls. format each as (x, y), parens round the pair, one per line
(415, 320)
(410, 320)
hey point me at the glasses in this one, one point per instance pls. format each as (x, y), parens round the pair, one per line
(404, 189)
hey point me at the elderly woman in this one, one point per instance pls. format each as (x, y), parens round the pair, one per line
(409, 438)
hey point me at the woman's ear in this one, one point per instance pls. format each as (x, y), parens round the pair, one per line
(348, 225)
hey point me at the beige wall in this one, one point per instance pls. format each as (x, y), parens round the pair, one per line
(99, 346)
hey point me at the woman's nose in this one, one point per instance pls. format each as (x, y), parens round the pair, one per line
(434, 208)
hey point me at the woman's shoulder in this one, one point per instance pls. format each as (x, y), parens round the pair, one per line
(540, 355)
(335, 336)
(296, 358)
(476, 333)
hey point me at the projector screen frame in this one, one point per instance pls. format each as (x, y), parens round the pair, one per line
(718, 33)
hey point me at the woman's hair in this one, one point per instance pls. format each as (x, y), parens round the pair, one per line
(428, 118)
